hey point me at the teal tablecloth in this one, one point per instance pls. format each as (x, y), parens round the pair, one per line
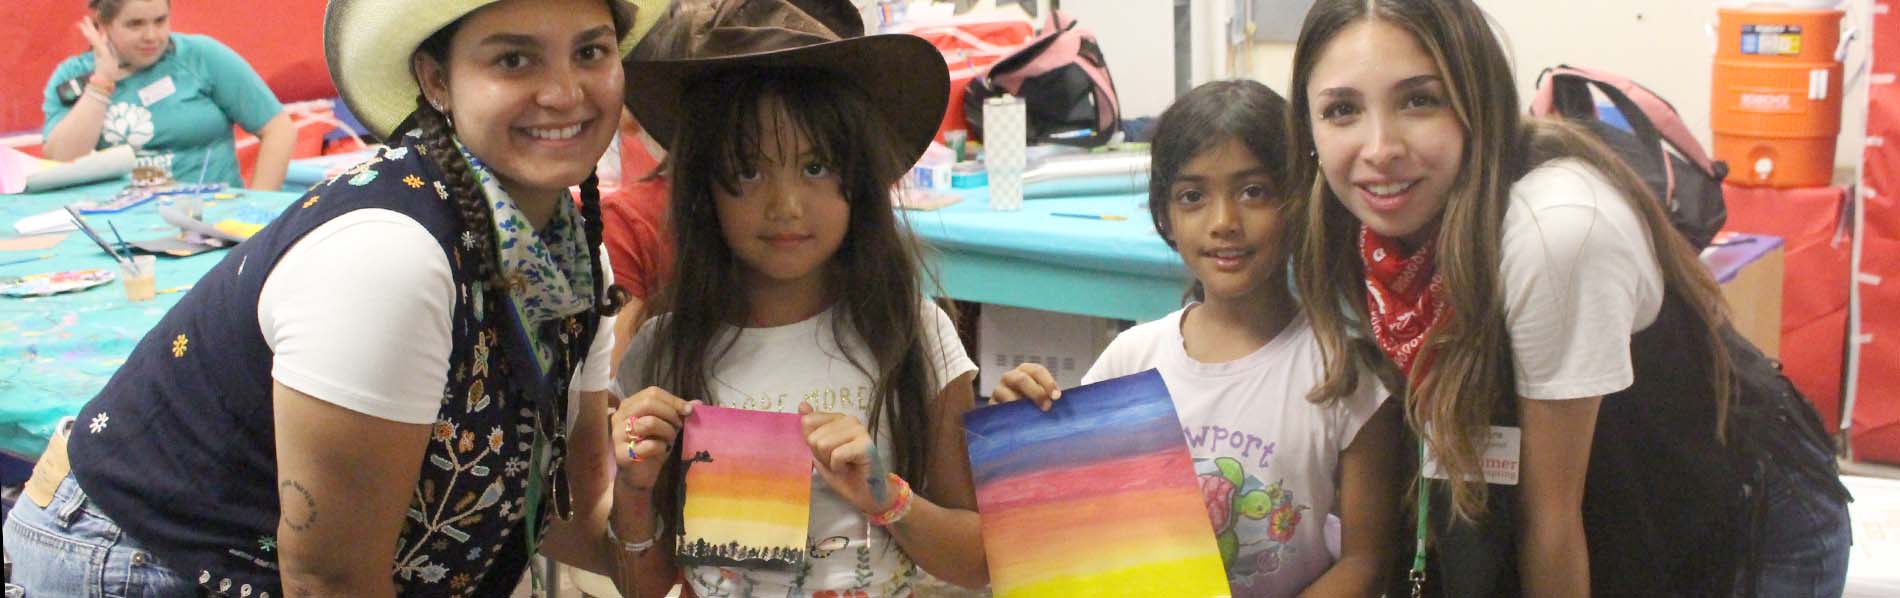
(56, 352)
(1031, 258)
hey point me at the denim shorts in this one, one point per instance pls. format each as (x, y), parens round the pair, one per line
(70, 549)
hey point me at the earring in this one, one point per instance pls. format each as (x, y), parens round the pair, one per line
(436, 104)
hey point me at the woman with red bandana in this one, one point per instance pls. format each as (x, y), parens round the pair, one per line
(1564, 355)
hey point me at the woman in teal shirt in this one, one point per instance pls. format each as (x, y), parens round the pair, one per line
(172, 97)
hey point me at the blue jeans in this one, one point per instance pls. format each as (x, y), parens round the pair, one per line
(1804, 540)
(70, 549)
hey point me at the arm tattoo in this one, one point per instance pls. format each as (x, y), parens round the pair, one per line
(287, 492)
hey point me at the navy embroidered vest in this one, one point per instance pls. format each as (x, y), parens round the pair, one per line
(184, 457)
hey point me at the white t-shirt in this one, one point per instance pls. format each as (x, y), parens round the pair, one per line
(1579, 278)
(357, 314)
(1267, 459)
(773, 369)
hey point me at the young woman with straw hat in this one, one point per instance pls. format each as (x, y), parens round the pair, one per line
(399, 387)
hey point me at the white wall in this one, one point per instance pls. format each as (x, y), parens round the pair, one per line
(1137, 38)
(1663, 44)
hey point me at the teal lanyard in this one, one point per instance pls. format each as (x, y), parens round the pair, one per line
(1424, 510)
(531, 511)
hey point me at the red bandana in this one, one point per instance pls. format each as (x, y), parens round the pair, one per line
(1404, 294)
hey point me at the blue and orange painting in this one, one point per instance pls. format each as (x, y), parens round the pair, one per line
(1096, 497)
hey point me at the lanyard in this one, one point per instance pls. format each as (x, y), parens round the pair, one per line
(1424, 509)
(532, 512)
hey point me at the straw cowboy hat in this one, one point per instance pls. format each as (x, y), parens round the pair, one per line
(904, 75)
(368, 44)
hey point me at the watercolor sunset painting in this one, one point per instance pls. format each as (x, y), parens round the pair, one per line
(748, 489)
(1097, 497)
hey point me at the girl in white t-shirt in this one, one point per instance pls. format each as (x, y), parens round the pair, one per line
(1241, 362)
(796, 291)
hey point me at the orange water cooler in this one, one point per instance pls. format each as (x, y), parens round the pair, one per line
(1776, 102)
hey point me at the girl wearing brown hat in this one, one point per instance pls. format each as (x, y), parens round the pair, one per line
(796, 291)
(375, 395)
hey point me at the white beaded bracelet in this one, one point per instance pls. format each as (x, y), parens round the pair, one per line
(642, 546)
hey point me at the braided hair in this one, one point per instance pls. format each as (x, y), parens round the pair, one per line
(478, 227)
(615, 297)
(477, 220)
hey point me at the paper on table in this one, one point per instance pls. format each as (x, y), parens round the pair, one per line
(20, 172)
(15, 165)
(33, 243)
(55, 220)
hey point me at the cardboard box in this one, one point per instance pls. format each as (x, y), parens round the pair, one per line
(1749, 268)
(1067, 344)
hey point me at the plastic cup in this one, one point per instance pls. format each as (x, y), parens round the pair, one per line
(1005, 130)
(141, 279)
(192, 205)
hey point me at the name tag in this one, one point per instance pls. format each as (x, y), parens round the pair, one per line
(158, 90)
(1500, 458)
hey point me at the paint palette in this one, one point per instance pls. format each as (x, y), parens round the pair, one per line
(54, 283)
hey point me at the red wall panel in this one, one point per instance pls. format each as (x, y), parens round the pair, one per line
(1876, 417)
(282, 39)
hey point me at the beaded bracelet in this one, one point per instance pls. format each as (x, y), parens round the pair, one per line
(899, 508)
(659, 528)
(94, 93)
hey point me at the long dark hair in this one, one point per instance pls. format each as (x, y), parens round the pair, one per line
(1203, 119)
(1471, 349)
(874, 275)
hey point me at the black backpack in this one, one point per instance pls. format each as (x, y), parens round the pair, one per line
(1658, 146)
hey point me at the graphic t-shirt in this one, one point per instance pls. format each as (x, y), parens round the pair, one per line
(773, 369)
(1267, 459)
(177, 114)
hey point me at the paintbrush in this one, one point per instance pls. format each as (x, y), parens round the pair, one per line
(115, 235)
(27, 259)
(90, 234)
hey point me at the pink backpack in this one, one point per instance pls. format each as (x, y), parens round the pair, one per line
(1656, 144)
(1063, 79)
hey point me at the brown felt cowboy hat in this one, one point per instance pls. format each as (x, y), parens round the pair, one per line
(904, 75)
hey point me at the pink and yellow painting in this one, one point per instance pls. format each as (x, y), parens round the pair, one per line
(748, 489)
(1096, 497)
